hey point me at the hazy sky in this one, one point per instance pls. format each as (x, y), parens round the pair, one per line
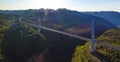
(80, 5)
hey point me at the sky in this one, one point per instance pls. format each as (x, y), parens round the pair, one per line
(79, 5)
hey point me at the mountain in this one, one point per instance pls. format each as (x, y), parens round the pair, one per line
(16, 46)
(73, 22)
(111, 16)
(65, 20)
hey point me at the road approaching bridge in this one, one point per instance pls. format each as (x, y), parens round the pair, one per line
(71, 35)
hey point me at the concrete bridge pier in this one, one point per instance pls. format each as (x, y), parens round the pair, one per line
(93, 37)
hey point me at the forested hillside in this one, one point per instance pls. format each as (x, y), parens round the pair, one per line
(5, 23)
(111, 37)
(72, 21)
(13, 43)
(16, 46)
(48, 46)
(82, 53)
(22, 43)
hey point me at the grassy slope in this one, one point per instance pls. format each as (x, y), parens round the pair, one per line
(82, 54)
(112, 37)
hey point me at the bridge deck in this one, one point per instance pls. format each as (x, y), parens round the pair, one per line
(71, 35)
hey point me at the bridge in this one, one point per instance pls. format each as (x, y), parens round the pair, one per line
(39, 27)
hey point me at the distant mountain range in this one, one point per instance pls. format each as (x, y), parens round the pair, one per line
(74, 22)
(111, 16)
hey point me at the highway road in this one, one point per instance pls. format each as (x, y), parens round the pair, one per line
(71, 35)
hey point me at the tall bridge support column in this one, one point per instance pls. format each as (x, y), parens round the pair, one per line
(39, 24)
(93, 37)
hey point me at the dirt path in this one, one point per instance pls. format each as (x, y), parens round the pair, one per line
(92, 56)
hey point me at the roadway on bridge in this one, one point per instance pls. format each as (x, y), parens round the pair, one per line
(71, 35)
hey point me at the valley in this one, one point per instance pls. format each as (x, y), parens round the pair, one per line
(49, 46)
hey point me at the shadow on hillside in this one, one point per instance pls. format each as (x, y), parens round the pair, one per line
(101, 57)
(60, 48)
(56, 48)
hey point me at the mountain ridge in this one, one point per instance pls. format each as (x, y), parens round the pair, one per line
(110, 16)
(65, 20)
